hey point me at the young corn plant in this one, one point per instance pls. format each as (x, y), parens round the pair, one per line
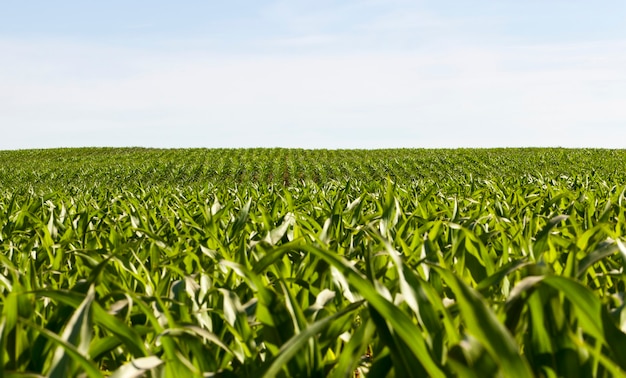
(312, 263)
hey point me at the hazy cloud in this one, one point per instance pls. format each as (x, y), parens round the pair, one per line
(317, 79)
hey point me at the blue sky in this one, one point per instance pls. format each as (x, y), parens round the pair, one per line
(313, 74)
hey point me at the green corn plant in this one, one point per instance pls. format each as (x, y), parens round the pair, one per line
(286, 262)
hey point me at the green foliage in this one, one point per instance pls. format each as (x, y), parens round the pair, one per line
(82, 169)
(165, 263)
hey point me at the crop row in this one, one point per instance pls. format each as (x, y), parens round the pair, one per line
(86, 168)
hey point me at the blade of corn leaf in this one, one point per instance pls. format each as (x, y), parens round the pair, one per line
(541, 241)
(77, 332)
(291, 347)
(401, 323)
(353, 351)
(486, 327)
(69, 350)
(126, 334)
(137, 367)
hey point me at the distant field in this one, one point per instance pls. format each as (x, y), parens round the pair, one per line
(280, 262)
(129, 167)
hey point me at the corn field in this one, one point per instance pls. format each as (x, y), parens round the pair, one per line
(295, 263)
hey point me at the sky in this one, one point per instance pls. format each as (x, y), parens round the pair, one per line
(313, 74)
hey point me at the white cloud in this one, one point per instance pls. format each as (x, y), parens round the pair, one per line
(75, 94)
(303, 41)
(406, 20)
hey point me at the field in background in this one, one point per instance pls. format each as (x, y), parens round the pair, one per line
(280, 262)
(129, 167)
